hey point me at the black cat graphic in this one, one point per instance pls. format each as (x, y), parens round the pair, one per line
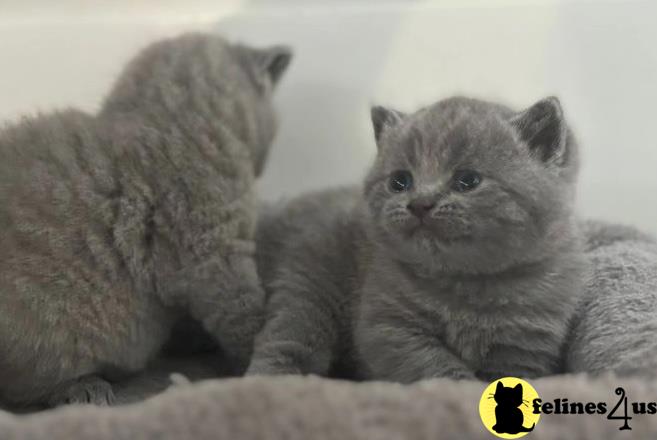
(508, 416)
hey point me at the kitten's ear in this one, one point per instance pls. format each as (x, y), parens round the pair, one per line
(273, 61)
(518, 388)
(543, 128)
(500, 385)
(383, 119)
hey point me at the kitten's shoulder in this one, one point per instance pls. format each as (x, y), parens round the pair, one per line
(41, 135)
(317, 209)
(320, 219)
(41, 126)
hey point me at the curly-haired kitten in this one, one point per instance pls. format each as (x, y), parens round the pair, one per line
(459, 260)
(115, 225)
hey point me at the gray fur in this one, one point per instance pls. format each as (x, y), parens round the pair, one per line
(115, 225)
(484, 286)
(307, 258)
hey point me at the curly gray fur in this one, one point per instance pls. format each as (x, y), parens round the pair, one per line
(115, 225)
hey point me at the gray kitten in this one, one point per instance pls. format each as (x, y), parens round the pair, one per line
(115, 226)
(461, 260)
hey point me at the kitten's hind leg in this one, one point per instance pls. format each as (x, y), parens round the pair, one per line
(88, 389)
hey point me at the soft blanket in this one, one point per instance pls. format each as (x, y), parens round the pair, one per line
(302, 408)
(614, 331)
(616, 327)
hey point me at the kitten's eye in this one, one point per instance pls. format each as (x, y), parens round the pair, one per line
(401, 181)
(466, 180)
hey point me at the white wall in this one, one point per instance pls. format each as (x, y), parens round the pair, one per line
(599, 57)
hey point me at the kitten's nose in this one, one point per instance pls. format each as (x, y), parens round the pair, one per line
(421, 206)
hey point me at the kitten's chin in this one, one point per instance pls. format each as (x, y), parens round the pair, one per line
(433, 233)
(430, 254)
(417, 242)
(433, 245)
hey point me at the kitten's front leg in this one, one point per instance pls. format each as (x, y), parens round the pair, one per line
(390, 350)
(524, 357)
(301, 332)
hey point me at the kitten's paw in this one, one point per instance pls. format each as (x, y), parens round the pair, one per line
(179, 380)
(462, 375)
(88, 389)
(264, 368)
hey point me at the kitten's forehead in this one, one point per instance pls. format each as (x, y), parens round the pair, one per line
(452, 131)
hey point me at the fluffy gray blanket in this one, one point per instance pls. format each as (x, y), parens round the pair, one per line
(616, 327)
(615, 331)
(310, 408)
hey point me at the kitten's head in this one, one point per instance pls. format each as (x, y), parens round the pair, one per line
(265, 68)
(508, 396)
(472, 187)
(207, 77)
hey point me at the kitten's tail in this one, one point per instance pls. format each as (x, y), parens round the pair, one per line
(523, 429)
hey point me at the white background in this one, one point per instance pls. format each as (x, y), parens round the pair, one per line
(599, 57)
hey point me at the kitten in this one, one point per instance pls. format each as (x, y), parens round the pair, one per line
(459, 260)
(508, 415)
(115, 225)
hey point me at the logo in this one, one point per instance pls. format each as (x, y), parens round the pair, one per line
(505, 408)
(510, 408)
(623, 410)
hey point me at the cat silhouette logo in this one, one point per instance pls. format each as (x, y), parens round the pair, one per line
(505, 408)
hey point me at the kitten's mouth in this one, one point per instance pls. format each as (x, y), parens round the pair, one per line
(415, 226)
(422, 228)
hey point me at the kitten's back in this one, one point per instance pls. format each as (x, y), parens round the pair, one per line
(53, 174)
